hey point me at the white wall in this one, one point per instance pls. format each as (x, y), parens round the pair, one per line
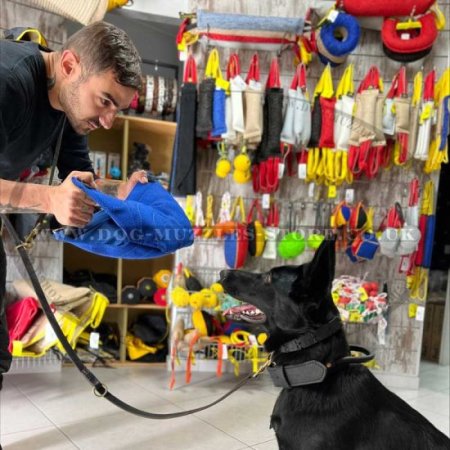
(169, 8)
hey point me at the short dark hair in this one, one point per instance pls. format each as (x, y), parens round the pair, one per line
(102, 46)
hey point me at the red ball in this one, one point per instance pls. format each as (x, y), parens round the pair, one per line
(160, 297)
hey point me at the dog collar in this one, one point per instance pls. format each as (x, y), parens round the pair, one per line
(309, 339)
(313, 372)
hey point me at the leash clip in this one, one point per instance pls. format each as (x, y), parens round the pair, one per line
(264, 366)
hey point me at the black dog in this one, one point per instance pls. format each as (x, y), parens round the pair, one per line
(350, 408)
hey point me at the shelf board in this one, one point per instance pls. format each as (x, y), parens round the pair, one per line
(155, 126)
(138, 306)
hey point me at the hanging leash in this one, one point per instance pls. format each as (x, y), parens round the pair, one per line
(100, 389)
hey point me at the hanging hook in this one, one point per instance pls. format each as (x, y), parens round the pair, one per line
(184, 15)
(284, 45)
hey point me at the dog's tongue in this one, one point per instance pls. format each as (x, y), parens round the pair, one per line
(247, 313)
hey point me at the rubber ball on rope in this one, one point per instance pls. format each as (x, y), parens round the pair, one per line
(339, 38)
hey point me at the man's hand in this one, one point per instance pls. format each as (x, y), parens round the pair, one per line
(69, 204)
(126, 187)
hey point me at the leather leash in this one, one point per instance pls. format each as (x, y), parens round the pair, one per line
(100, 389)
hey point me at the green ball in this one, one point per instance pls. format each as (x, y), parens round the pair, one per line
(291, 246)
(314, 240)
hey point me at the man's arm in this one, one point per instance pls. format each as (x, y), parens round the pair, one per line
(75, 156)
(69, 204)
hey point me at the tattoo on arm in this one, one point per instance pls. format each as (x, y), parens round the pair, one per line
(110, 189)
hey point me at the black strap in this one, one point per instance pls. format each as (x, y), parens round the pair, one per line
(100, 389)
(309, 339)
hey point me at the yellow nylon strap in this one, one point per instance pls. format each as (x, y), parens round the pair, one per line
(190, 38)
(190, 208)
(349, 179)
(397, 151)
(330, 161)
(417, 89)
(324, 87)
(238, 203)
(340, 167)
(211, 64)
(427, 199)
(213, 70)
(439, 16)
(112, 4)
(325, 17)
(312, 164)
(233, 361)
(369, 224)
(209, 210)
(208, 231)
(320, 172)
(427, 113)
(346, 86)
(97, 310)
(442, 88)
(435, 158)
(417, 284)
(305, 55)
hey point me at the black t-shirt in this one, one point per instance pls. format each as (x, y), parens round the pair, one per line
(29, 126)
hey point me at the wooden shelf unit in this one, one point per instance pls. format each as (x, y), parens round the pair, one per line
(158, 136)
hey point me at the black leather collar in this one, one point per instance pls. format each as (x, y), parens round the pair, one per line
(309, 339)
(313, 372)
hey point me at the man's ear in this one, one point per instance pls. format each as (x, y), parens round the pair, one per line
(69, 64)
(320, 271)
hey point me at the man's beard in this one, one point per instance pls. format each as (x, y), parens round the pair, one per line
(70, 101)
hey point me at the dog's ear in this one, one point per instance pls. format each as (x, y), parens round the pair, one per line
(320, 271)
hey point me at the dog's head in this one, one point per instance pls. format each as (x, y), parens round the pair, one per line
(290, 299)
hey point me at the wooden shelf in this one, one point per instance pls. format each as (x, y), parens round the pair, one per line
(153, 126)
(158, 136)
(138, 306)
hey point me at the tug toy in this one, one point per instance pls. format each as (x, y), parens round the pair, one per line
(358, 300)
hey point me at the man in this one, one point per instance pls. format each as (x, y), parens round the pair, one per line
(82, 87)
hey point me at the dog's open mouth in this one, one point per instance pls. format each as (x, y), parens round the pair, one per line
(245, 313)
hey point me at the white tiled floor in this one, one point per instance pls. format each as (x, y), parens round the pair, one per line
(58, 411)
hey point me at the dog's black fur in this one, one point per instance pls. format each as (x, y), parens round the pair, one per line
(350, 409)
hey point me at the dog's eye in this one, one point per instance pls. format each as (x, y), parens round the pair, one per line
(268, 278)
